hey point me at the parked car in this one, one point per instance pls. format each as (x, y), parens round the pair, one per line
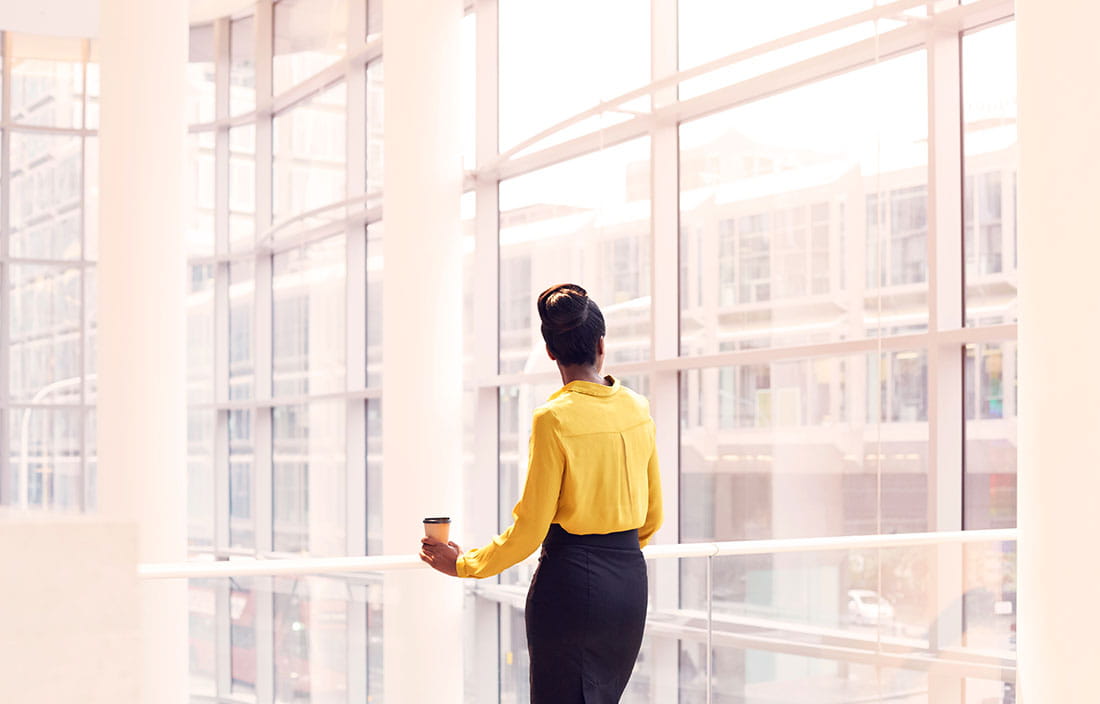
(867, 608)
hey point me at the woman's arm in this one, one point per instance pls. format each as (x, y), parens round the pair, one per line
(655, 514)
(536, 508)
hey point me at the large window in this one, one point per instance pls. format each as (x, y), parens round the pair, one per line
(775, 240)
(795, 200)
(284, 320)
(48, 289)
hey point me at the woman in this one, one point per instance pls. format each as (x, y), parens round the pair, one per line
(592, 498)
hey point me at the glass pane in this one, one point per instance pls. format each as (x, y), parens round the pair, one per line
(91, 461)
(758, 440)
(375, 269)
(980, 691)
(308, 478)
(374, 19)
(91, 197)
(310, 153)
(469, 239)
(375, 143)
(991, 436)
(308, 319)
(45, 320)
(374, 478)
(798, 232)
(199, 206)
(200, 334)
(201, 636)
(242, 66)
(242, 527)
(468, 91)
(585, 221)
(46, 196)
(311, 639)
(45, 457)
(47, 80)
(200, 75)
(309, 36)
(242, 636)
(200, 479)
(91, 348)
(304, 624)
(989, 193)
(989, 597)
(371, 594)
(711, 29)
(242, 298)
(242, 187)
(926, 606)
(536, 93)
(91, 82)
(515, 660)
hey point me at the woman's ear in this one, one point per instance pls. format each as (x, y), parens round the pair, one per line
(550, 354)
(599, 345)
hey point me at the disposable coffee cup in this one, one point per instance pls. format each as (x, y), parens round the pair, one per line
(438, 528)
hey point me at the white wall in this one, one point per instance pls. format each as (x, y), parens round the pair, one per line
(1059, 457)
(69, 608)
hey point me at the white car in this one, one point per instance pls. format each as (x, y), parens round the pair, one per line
(867, 608)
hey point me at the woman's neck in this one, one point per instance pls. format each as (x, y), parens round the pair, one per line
(581, 373)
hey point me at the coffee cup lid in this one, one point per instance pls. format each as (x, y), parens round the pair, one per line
(438, 519)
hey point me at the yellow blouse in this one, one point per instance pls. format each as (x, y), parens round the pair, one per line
(592, 469)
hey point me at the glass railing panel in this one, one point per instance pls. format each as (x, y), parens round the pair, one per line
(901, 623)
(904, 622)
(989, 597)
(893, 623)
(286, 639)
(201, 636)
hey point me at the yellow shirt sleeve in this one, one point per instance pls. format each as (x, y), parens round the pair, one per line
(655, 515)
(536, 508)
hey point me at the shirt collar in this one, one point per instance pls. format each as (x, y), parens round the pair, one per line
(590, 388)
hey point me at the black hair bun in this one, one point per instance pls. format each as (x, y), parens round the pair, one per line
(563, 307)
(572, 324)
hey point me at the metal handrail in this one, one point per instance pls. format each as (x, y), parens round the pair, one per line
(388, 563)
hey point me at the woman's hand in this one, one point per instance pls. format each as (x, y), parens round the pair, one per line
(441, 556)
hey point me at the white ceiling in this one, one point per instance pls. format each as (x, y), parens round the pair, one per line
(57, 18)
(206, 10)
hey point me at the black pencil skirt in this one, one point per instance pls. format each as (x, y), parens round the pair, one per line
(585, 617)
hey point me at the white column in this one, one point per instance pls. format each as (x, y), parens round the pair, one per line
(142, 267)
(483, 618)
(665, 340)
(1059, 335)
(422, 342)
(945, 362)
